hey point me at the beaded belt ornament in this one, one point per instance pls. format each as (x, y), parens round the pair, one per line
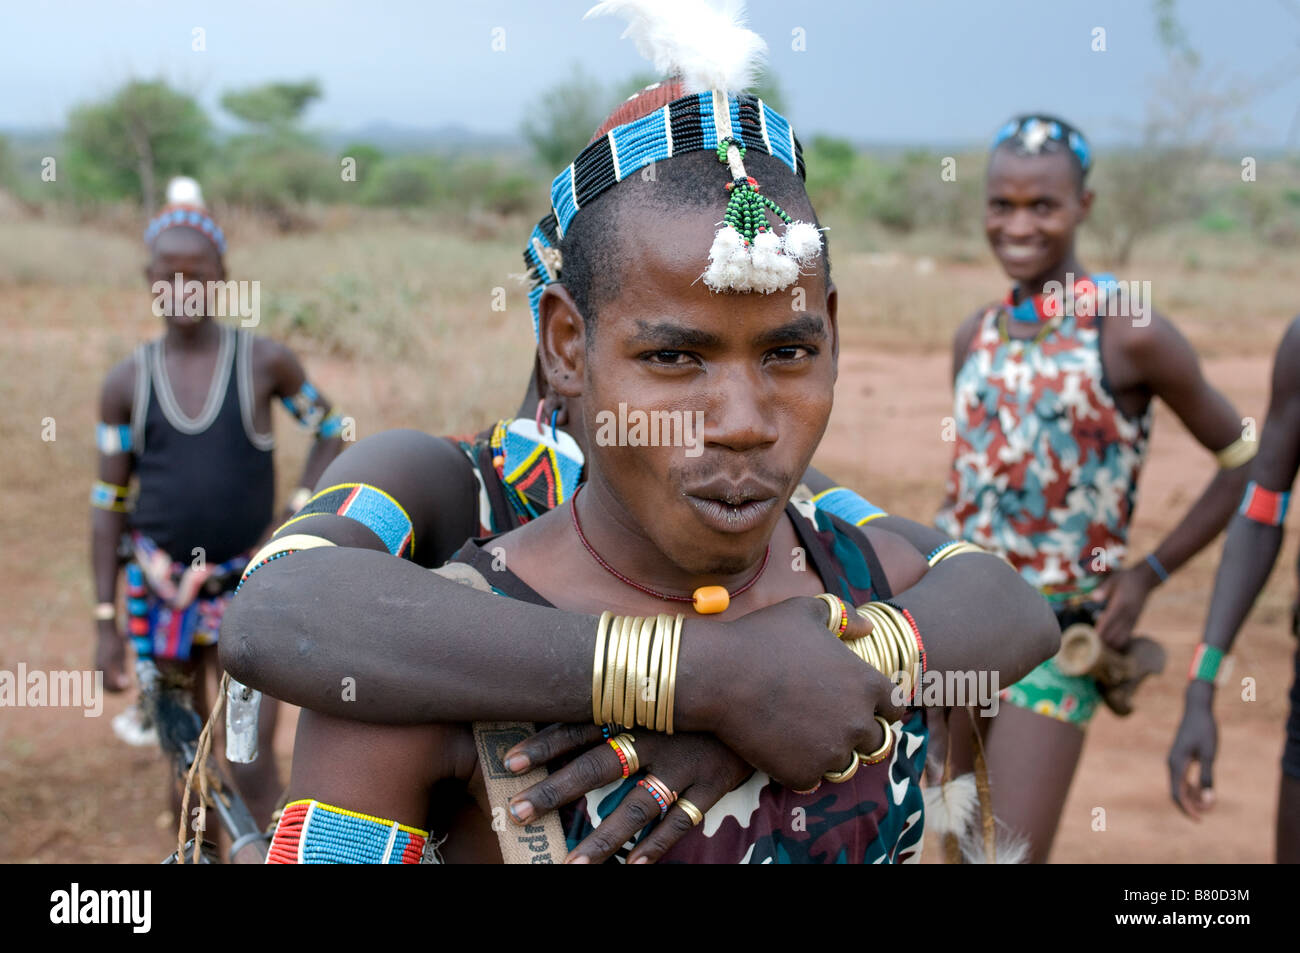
(311, 832)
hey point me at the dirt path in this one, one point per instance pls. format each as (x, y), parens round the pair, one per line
(885, 436)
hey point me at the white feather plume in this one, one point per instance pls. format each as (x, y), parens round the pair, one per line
(1008, 848)
(949, 807)
(705, 42)
(182, 190)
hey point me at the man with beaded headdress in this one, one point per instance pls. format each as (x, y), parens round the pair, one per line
(623, 313)
(187, 418)
(1053, 402)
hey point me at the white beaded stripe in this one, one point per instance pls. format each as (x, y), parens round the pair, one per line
(388, 848)
(762, 125)
(613, 151)
(668, 130)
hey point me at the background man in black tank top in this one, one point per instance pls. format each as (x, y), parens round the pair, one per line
(188, 416)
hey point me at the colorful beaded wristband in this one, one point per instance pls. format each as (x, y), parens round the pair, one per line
(1264, 506)
(1205, 663)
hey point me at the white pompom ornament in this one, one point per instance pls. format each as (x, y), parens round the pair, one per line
(802, 241)
(183, 190)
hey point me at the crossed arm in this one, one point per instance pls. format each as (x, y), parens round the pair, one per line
(421, 648)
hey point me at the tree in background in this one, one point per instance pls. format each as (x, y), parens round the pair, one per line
(130, 145)
(276, 165)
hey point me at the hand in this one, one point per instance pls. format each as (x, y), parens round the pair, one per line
(794, 702)
(1196, 742)
(1125, 593)
(698, 766)
(110, 656)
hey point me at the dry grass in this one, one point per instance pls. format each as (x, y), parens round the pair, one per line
(394, 318)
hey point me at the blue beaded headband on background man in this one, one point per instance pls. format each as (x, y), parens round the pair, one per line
(185, 209)
(1033, 134)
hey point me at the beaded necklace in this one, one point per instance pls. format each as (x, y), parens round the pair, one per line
(707, 600)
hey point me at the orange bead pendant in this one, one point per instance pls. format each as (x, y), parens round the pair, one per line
(710, 600)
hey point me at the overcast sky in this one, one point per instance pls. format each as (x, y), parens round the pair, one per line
(924, 71)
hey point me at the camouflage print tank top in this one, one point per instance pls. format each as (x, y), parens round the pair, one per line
(875, 817)
(1045, 465)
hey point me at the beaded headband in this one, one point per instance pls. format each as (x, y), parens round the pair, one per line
(1034, 131)
(746, 254)
(185, 209)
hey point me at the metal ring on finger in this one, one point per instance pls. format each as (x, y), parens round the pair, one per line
(693, 812)
(839, 777)
(627, 757)
(664, 795)
(886, 746)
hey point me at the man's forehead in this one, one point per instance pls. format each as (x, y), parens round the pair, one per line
(662, 255)
(1051, 170)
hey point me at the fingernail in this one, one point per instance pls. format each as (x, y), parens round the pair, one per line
(521, 810)
(517, 763)
(641, 860)
(577, 859)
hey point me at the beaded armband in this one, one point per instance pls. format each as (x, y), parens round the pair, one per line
(842, 502)
(109, 496)
(278, 549)
(954, 547)
(306, 408)
(113, 438)
(1264, 506)
(1205, 663)
(368, 505)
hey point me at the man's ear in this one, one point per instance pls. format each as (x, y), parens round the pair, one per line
(562, 348)
(1085, 204)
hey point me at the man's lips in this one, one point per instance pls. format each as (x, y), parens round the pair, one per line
(1018, 251)
(726, 516)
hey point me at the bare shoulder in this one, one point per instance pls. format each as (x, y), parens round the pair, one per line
(903, 564)
(115, 398)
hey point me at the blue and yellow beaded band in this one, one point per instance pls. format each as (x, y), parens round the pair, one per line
(842, 502)
(113, 438)
(109, 496)
(368, 505)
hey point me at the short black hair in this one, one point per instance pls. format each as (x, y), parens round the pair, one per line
(592, 250)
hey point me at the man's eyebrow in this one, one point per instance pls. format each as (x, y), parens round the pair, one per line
(802, 328)
(669, 336)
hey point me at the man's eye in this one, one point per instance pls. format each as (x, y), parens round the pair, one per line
(670, 358)
(1044, 208)
(792, 353)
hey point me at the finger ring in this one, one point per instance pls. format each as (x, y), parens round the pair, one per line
(839, 777)
(811, 790)
(662, 793)
(838, 620)
(881, 753)
(622, 745)
(693, 812)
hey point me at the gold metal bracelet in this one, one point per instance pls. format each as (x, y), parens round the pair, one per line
(598, 666)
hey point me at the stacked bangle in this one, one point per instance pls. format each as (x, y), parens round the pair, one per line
(894, 646)
(634, 670)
